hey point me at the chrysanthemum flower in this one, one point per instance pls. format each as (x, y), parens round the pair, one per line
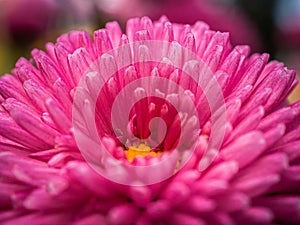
(253, 177)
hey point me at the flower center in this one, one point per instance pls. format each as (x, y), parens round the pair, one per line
(140, 150)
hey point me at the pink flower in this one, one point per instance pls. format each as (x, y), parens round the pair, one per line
(48, 177)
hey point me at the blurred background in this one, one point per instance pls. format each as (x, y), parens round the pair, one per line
(271, 26)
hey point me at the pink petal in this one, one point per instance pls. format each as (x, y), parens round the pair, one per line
(245, 148)
(123, 214)
(238, 201)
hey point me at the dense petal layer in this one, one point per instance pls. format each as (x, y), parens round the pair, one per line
(251, 176)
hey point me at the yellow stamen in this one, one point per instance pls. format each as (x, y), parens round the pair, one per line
(140, 150)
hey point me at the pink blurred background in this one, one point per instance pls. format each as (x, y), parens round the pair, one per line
(271, 26)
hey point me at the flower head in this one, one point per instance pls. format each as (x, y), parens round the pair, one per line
(195, 126)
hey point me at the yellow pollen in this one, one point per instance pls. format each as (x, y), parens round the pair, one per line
(205, 136)
(140, 150)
